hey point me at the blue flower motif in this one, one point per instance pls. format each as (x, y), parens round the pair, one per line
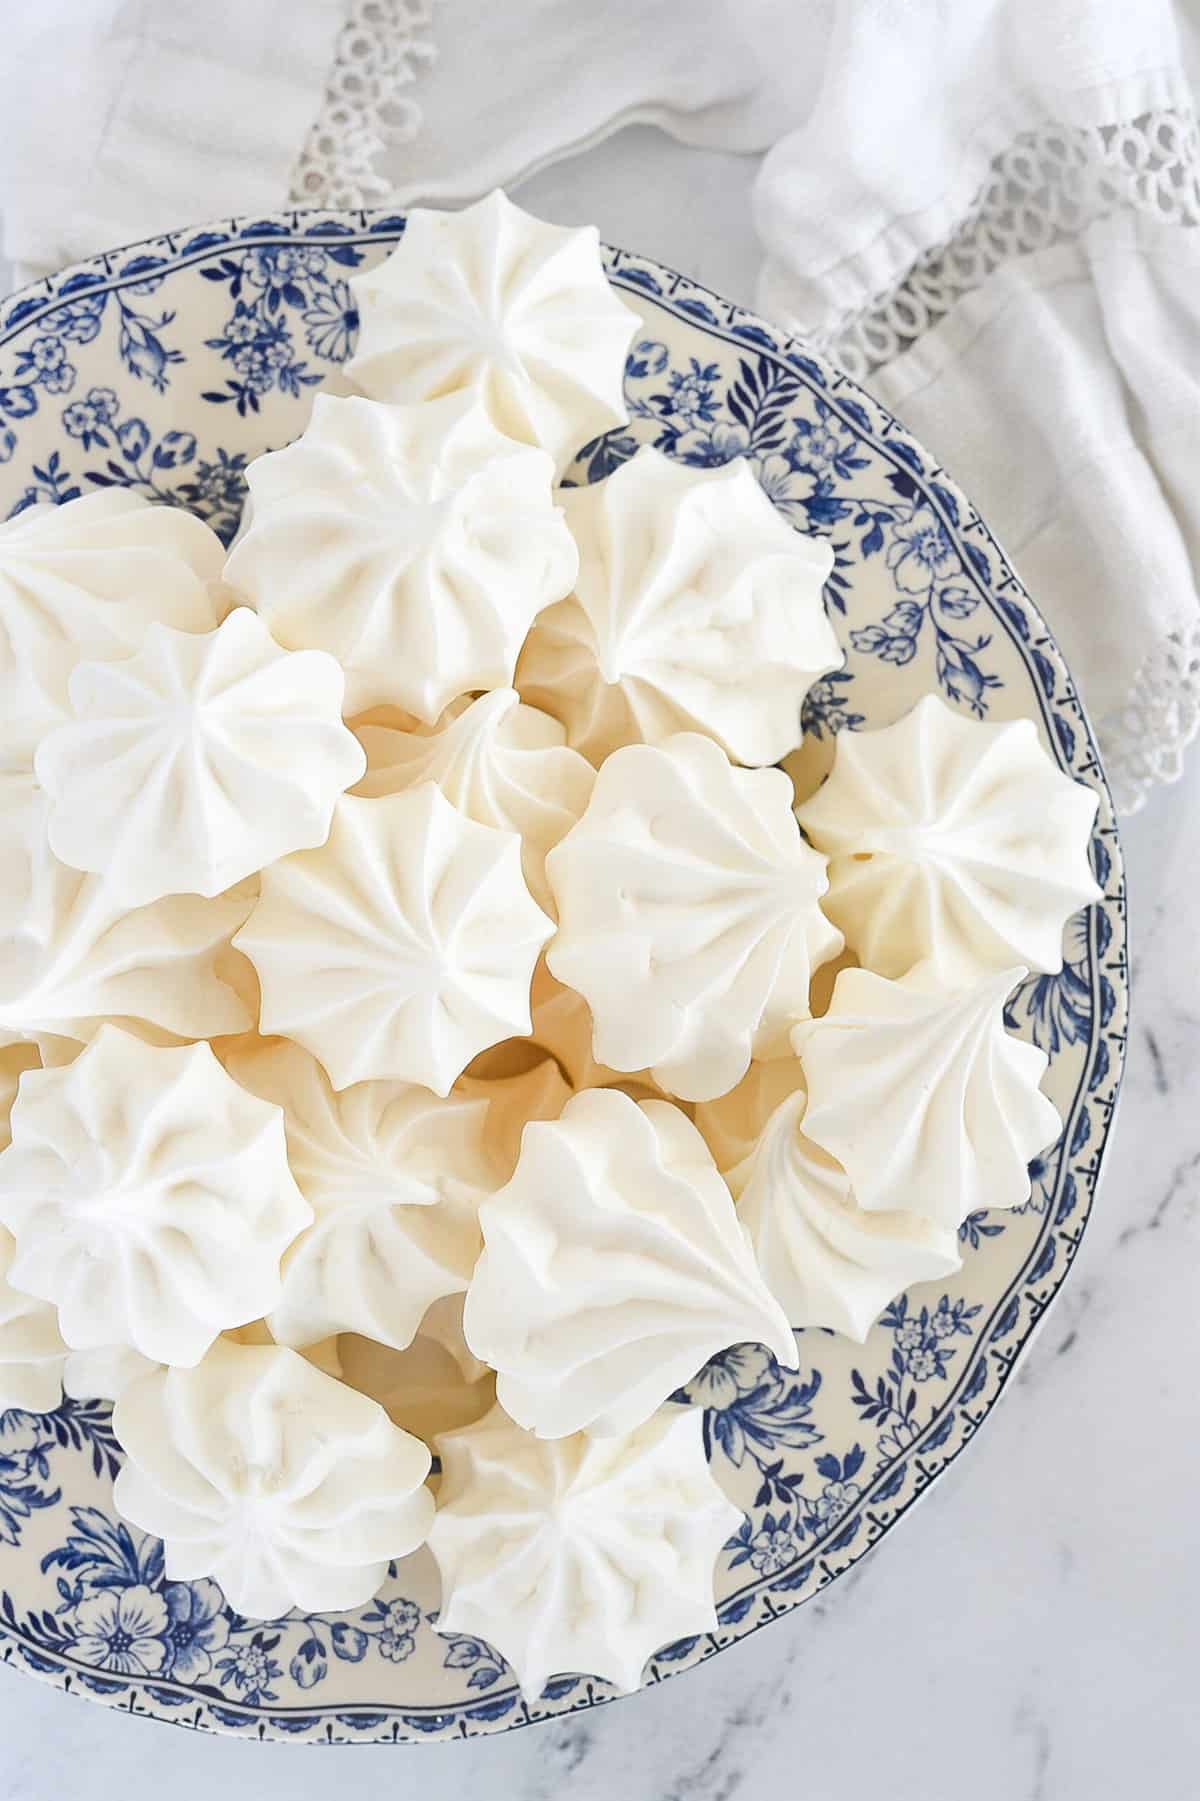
(692, 395)
(772, 1546)
(920, 553)
(331, 322)
(752, 1406)
(923, 1365)
(86, 419)
(400, 1619)
(836, 1500)
(124, 1630)
(47, 354)
(197, 1626)
(815, 448)
(250, 1669)
(134, 439)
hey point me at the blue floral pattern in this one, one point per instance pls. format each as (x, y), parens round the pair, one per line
(165, 369)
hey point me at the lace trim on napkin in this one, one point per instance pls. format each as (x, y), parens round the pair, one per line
(381, 50)
(1049, 185)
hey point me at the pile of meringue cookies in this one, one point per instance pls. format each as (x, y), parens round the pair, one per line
(430, 1023)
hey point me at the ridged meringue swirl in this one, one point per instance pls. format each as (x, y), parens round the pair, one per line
(85, 580)
(414, 543)
(32, 1352)
(689, 916)
(71, 957)
(697, 608)
(614, 1267)
(516, 310)
(828, 1261)
(923, 1097)
(283, 1485)
(149, 1196)
(498, 762)
(401, 948)
(579, 1553)
(196, 762)
(952, 841)
(394, 1177)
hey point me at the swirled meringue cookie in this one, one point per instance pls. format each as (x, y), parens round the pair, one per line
(414, 543)
(434, 1385)
(952, 842)
(613, 1268)
(71, 957)
(286, 1487)
(394, 1177)
(108, 1370)
(32, 1352)
(85, 580)
(697, 608)
(498, 762)
(516, 310)
(732, 1125)
(828, 1261)
(149, 1196)
(401, 948)
(689, 916)
(192, 764)
(923, 1097)
(512, 1101)
(579, 1553)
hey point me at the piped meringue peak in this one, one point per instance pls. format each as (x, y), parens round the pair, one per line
(697, 608)
(401, 948)
(952, 841)
(415, 544)
(423, 1008)
(515, 310)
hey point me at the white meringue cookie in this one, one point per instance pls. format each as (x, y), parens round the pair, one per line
(952, 841)
(923, 1097)
(32, 1352)
(414, 543)
(401, 948)
(85, 580)
(512, 1101)
(828, 1261)
(732, 1125)
(149, 1196)
(688, 914)
(613, 1269)
(284, 1486)
(579, 1553)
(517, 310)
(697, 608)
(394, 1177)
(498, 762)
(104, 1371)
(72, 957)
(562, 1025)
(434, 1385)
(194, 763)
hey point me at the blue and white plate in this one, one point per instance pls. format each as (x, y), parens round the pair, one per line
(167, 367)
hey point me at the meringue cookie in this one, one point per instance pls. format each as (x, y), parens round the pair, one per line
(579, 1553)
(72, 957)
(954, 842)
(434, 1385)
(15, 1059)
(286, 1487)
(613, 1269)
(498, 762)
(32, 1352)
(401, 948)
(732, 1125)
(394, 1177)
(494, 300)
(104, 1371)
(149, 1196)
(85, 580)
(512, 1101)
(414, 543)
(828, 1261)
(688, 914)
(929, 1105)
(191, 765)
(562, 1025)
(697, 608)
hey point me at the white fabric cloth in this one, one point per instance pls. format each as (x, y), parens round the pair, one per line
(983, 208)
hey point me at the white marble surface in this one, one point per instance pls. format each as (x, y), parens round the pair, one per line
(1030, 1630)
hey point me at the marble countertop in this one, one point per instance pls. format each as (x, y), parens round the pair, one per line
(1030, 1630)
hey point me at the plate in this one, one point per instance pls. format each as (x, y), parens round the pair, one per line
(167, 367)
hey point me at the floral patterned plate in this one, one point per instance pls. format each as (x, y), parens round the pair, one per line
(166, 368)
